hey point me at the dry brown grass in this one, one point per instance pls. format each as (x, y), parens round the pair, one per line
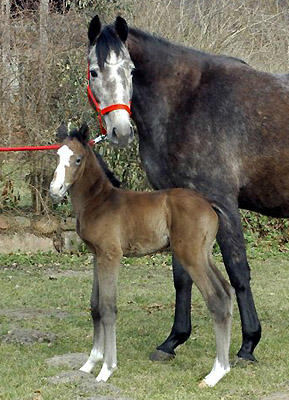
(45, 84)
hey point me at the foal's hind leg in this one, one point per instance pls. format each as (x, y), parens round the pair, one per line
(221, 310)
(96, 353)
(218, 295)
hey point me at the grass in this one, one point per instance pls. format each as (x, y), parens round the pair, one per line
(146, 305)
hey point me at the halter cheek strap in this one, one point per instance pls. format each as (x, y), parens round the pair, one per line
(100, 112)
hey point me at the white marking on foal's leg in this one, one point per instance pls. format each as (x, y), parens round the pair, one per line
(96, 353)
(217, 373)
(105, 373)
(94, 358)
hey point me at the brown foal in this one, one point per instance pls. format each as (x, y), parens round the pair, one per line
(115, 223)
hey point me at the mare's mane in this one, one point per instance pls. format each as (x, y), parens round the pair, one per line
(109, 40)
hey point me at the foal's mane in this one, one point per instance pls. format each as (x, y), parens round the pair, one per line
(75, 134)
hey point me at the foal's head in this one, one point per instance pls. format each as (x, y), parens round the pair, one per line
(110, 76)
(72, 154)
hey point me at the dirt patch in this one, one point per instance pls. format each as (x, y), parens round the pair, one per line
(103, 398)
(28, 337)
(52, 274)
(27, 313)
(277, 396)
(71, 360)
(85, 384)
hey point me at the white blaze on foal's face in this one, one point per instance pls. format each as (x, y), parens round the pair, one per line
(59, 184)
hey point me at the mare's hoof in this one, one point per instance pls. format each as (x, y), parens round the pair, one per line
(242, 355)
(242, 362)
(162, 356)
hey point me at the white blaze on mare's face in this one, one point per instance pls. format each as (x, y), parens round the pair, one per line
(58, 184)
(113, 85)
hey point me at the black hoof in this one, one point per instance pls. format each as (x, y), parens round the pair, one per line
(159, 355)
(246, 356)
(242, 362)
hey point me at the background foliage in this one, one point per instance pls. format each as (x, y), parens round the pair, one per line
(43, 73)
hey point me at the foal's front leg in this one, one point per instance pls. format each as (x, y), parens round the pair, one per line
(107, 279)
(96, 353)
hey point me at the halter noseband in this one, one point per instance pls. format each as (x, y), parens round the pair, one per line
(100, 112)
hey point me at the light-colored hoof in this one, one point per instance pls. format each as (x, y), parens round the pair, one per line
(87, 367)
(203, 384)
(105, 373)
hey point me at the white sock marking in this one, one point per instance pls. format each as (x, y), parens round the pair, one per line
(105, 373)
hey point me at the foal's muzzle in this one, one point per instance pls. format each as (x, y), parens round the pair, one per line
(57, 192)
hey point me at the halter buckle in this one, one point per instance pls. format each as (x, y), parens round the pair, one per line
(99, 139)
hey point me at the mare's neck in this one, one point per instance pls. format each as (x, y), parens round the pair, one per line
(164, 80)
(91, 188)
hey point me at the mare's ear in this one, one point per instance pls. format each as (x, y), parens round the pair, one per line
(121, 28)
(94, 29)
(62, 132)
(84, 133)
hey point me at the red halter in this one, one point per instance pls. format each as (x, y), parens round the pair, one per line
(105, 110)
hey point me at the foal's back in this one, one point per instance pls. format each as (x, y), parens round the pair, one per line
(147, 222)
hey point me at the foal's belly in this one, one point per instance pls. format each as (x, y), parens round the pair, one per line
(147, 236)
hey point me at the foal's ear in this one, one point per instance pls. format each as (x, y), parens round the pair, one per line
(62, 132)
(94, 29)
(121, 28)
(84, 133)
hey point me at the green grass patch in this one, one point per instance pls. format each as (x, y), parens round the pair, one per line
(146, 309)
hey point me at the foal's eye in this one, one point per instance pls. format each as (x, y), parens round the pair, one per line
(93, 74)
(78, 161)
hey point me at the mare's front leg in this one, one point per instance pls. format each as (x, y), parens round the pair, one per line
(181, 329)
(231, 241)
(96, 353)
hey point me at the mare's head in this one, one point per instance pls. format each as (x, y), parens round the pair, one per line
(72, 155)
(110, 76)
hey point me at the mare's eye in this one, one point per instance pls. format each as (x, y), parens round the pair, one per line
(93, 73)
(78, 161)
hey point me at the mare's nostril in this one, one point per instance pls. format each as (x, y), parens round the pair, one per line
(60, 187)
(114, 135)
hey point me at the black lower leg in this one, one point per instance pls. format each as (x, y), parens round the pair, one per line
(181, 329)
(231, 241)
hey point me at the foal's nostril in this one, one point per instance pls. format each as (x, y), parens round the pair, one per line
(60, 187)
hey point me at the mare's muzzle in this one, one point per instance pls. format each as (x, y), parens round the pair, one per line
(121, 135)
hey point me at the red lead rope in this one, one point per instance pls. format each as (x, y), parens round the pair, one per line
(100, 113)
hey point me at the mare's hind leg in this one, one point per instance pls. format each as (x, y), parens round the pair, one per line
(96, 353)
(231, 241)
(181, 329)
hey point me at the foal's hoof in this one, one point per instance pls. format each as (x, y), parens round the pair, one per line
(162, 356)
(203, 384)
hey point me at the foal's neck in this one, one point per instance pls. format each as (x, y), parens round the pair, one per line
(91, 188)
